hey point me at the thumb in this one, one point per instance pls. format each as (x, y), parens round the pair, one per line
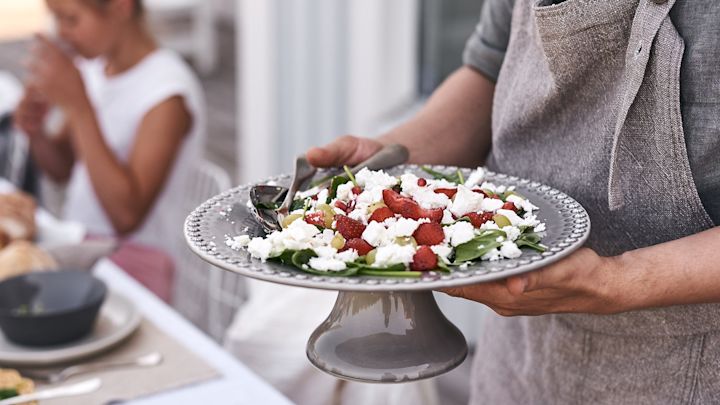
(346, 150)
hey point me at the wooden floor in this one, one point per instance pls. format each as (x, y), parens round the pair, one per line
(219, 92)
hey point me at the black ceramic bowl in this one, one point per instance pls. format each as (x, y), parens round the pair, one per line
(43, 309)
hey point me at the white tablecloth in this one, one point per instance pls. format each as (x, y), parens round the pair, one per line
(238, 385)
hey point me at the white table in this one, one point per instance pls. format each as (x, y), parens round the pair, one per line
(237, 384)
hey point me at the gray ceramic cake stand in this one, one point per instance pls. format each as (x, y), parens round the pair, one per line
(384, 329)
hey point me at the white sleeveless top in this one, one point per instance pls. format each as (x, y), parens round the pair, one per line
(121, 102)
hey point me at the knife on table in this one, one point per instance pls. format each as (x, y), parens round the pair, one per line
(80, 388)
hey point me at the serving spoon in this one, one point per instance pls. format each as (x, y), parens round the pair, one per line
(264, 197)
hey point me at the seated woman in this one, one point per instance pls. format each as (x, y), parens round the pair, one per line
(133, 118)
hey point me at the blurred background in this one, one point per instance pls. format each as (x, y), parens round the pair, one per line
(281, 76)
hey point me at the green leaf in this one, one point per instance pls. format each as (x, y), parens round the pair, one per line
(532, 245)
(334, 184)
(454, 178)
(460, 177)
(478, 246)
(350, 175)
(531, 237)
(385, 273)
(298, 204)
(442, 266)
(302, 257)
(8, 393)
(284, 258)
(363, 267)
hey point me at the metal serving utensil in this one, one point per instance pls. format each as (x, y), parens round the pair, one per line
(264, 197)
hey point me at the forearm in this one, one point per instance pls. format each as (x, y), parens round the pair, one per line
(683, 271)
(54, 157)
(454, 126)
(112, 181)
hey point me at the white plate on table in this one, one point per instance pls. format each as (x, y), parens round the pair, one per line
(118, 319)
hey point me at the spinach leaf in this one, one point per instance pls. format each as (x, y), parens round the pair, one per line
(298, 204)
(302, 257)
(385, 273)
(456, 177)
(334, 184)
(530, 240)
(478, 246)
(362, 266)
(442, 266)
(8, 393)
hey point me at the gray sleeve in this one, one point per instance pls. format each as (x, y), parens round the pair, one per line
(485, 50)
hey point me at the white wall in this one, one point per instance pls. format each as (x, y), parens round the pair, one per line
(311, 70)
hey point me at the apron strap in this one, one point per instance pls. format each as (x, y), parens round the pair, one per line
(648, 18)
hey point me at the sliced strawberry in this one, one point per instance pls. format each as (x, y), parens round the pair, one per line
(450, 192)
(381, 214)
(348, 227)
(429, 234)
(358, 244)
(422, 182)
(408, 208)
(433, 214)
(477, 219)
(424, 259)
(316, 218)
(342, 205)
(509, 206)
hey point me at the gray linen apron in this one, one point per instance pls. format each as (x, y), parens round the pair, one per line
(588, 101)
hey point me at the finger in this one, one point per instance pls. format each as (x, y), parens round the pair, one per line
(346, 150)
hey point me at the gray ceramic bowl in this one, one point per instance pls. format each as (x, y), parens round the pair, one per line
(43, 309)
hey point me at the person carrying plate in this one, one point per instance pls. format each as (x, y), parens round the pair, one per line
(133, 125)
(616, 103)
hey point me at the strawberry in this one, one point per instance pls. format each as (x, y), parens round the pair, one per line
(477, 219)
(509, 206)
(342, 205)
(358, 244)
(422, 182)
(357, 190)
(433, 214)
(477, 190)
(316, 218)
(348, 227)
(424, 259)
(381, 214)
(429, 234)
(450, 192)
(408, 208)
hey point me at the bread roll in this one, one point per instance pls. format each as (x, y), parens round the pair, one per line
(11, 379)
(17, 216)
(22, 257)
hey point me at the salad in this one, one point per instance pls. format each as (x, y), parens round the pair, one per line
(376, 224)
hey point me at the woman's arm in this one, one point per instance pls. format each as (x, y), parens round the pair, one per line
(452, 128)
(683, 271)
(127, 190)
(54, 155)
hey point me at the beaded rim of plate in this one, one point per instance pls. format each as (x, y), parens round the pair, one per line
(201, 237)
